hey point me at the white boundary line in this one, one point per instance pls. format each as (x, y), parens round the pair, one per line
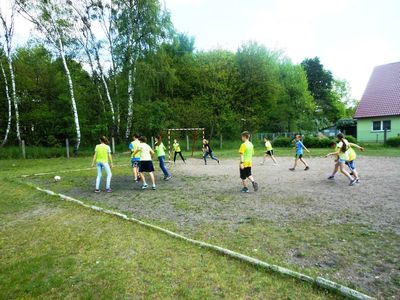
(343, 290)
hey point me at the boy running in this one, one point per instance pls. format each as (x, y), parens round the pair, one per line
(269, 151)
(135, 158)
(146, 163)
(246, 154)
(299, 154)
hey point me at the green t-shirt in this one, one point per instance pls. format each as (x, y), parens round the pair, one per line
(247, 150)
(102, 151)
(268, 145)
(134, 146)
(160, 150)
(177, 148)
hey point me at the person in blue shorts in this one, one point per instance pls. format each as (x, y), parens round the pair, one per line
(135, 158)
(299, 153)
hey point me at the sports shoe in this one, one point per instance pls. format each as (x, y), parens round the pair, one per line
(244, 190)
(153, 187)
(144, 186)
(291, 169)
(353, 182)
(97, 191)
(307, 168)
(109, 190)
(358, 180)
(218, 161)
(331, 177)
(255, 186)
(168, 178)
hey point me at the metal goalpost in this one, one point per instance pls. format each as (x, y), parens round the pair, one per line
(170, 130)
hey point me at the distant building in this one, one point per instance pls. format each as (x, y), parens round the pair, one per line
(379, 108)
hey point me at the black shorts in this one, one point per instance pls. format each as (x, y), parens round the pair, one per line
(146, 166)
(269, 152)
(299, 156)
(244, 173)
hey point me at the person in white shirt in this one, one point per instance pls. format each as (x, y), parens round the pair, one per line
(146, 162)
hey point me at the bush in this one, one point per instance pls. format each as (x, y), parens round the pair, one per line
(315, 142)
(351, 139)
(282, 142)
(393, 142)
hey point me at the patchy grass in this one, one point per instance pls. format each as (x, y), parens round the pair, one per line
(53, 249)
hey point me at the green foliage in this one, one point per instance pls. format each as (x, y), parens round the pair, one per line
(317, 142)
(393, 141)
(351, 139)
(282, 142)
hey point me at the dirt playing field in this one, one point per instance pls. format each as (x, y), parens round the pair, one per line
(300, 219)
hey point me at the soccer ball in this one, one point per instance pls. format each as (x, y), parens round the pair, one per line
(57, 178)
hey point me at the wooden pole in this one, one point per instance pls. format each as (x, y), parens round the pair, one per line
(23, 149)
(384, 136)
(187, 142)
(67, 147)
(169, 145)
(113, 145)
(152, 142)
(220, 141)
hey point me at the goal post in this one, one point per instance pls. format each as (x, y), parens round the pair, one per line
(170, 130)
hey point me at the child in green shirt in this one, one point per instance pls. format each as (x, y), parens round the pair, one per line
(177, 150)
(269, 151)
(102, 157)
(160, 151)
(246, 154)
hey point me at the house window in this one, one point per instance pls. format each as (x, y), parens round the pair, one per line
(381, 125)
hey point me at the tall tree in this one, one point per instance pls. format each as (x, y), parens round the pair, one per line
(52, 18)
(142, 25)
(8, 32)
(3, 72)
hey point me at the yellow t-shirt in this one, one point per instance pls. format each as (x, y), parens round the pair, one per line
(134, 146)
(177, 148)
(268, 145)
(102, 151)
(247, 150)
(351, 154)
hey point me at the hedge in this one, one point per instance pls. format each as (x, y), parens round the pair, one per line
(393, 142)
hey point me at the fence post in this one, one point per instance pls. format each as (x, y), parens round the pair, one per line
(187, 142)
(152, 142)
(23, 149)
(113, 145)
(67, 147)
(220, 141)
(384, 136)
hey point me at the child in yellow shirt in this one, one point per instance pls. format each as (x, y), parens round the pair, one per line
(246, 154)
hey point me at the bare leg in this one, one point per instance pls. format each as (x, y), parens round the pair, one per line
(335, 169)
(265, 157)
(344, 172)
(304, 162)
(295, 163)
(244, 182)
(153, 180)
(143, 178)
(273, 158)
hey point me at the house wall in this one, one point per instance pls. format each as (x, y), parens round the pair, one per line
(365, 133)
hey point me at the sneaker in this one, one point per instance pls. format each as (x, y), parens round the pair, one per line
(244, 190)
(291, 169)
(307, 168)
(353, 182)
(144, 186)
(331, 177)
(168, 178)
(153, 187)
(97, 191)
(261, 164)
(218, 161)
(255, 186)
(109, 190)
(358, 180)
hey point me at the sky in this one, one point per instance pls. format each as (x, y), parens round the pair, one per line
(349, 36)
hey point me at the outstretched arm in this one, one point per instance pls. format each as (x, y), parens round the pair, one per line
(356, 146)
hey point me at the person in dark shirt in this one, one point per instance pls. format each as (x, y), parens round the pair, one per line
(207, 151)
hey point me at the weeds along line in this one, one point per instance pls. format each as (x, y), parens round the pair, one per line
(318, 281)
(68, 171)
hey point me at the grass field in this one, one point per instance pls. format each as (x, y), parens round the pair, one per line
(55, 249)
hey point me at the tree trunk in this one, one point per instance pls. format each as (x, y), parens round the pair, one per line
(72, 95)
(131, 82)
(14, 97)
(9, 105)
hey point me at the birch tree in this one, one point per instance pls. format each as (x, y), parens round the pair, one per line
(8, 33)
(142, 25)
(84, 11)
(8, 102)
(52, 19)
